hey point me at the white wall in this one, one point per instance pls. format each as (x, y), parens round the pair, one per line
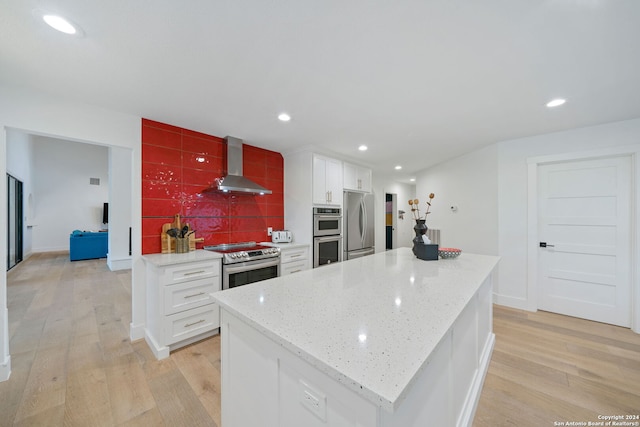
(490, 189)
(120, 202)
(40, 114)
(19, 148)
(404, 227)
(470, 183)
(63, 198)
(511, 286)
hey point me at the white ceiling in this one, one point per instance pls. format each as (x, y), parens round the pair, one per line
(419, 82)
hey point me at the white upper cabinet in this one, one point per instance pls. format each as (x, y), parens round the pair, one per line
(356, 178)
(327, 181)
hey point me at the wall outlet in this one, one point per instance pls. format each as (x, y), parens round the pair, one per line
(313, 400)
(269, 231)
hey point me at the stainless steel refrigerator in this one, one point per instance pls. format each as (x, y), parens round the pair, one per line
(358, 225)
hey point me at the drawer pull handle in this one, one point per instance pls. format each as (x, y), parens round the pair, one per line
(194, 323)
(296, 256)
(295, 271)
(194, 272)
(194, 295)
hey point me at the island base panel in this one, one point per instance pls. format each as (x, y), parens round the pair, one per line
(284, 390)
(280, 388)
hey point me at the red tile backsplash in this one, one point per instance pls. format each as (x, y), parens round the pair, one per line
(210, 147)
(169, 137)
(178, 168)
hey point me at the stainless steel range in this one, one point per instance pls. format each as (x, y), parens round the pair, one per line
(247, 262)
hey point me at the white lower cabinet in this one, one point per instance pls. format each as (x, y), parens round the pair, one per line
(180, 309)
(189, 323)
(294, 257)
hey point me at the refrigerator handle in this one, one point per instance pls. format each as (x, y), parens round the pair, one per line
(363, 213)
(360, 220)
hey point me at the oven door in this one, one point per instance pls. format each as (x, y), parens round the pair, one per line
(327, 250)
(247, 272)
(327, 225)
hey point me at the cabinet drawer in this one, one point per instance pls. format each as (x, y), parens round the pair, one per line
(186, 295)
(293, 267)
(197, 270)
(290, 255)
(187, 324)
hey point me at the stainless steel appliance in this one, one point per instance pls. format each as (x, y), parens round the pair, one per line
(359, 225)
(235, 181)
(327, 236)
(281, 236)
(327, 221)
(247, 262)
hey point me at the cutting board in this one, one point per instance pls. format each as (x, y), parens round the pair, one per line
(168, 242)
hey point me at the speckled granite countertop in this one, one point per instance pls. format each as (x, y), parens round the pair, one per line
(170, 259)
(370, 323)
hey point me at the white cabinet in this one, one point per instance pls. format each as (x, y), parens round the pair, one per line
(293, 260)
(294, 257)
(356, 178)
(180, 308)
(327, 181)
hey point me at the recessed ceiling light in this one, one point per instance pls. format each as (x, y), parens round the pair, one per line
(398, 167)
(60, 24)
(556, 102)
(412, 180)
(284, 117)
(363, 148)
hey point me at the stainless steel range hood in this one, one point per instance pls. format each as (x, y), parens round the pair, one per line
(235, 181)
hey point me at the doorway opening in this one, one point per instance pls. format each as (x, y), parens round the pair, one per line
(390, 207)
(14, 221)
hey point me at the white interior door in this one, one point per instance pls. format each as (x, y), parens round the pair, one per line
(584, 218)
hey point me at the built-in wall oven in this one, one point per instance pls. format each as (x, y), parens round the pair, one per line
(248, 262)
(327, 221)
(327, 236)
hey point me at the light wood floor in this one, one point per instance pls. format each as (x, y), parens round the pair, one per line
(73, 364)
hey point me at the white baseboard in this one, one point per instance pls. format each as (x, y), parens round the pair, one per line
(158, 351)
(5, 369)
(52, 249)
(513, 302)
(136, 332)
(119, 264)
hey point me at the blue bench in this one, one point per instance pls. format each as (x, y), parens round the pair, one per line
(88, 245)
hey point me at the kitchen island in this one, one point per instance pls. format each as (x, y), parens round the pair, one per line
(383, 340)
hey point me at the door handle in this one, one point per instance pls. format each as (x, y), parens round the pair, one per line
(546, 245)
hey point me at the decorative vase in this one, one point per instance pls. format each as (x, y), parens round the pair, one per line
(420, 228)
(426, 252)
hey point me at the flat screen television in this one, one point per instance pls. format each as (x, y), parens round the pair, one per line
(105, 213)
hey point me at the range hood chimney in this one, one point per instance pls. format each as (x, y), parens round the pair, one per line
(235, 181)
